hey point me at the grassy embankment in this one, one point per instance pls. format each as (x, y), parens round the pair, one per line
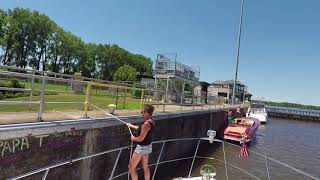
(100, 98)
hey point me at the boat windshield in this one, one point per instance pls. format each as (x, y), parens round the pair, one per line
(257, 110)
(257, 106)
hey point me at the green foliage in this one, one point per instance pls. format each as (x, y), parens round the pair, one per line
(11, 84)
(31, 39)
(16, 84)
(190, 87)
(290, 105)
(2, 21)
(125, 73)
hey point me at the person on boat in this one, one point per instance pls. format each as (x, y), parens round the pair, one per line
(229, 118)
(238, 113)
(144, 143)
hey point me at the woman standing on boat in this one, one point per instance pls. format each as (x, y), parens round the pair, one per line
(144, 141)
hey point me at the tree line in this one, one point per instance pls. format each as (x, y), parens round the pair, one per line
(31, 39)
(289, 105)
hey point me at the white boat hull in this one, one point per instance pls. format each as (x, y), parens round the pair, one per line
(259, 113)
(212, 175)
(235, 138)
(262, 117)
(193, 178)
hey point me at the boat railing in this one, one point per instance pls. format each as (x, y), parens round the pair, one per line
(225, 159)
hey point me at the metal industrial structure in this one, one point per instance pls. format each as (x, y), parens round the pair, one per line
(168, 70)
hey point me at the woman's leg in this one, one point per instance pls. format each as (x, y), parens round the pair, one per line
(133, 164)
(145, 167)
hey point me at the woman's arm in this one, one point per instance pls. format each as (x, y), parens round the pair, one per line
(132, 126)
(144, 130)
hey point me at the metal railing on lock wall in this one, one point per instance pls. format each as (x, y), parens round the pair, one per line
(43, 79)
(147, 96)
(90, 85)
(60, 75)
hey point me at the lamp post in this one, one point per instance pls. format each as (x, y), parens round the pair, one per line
(238, 51)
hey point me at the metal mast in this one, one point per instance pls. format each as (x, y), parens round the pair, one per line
(238, 51)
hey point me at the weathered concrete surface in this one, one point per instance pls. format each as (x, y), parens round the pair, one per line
(31, 146)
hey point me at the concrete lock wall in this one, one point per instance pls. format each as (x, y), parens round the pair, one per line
(31, 146)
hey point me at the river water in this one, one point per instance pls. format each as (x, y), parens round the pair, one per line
(295, 143)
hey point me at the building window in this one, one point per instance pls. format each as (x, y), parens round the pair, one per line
(222, 94)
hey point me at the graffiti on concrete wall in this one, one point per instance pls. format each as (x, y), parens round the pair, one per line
(14, 145)
(14, 150)
(31, 152)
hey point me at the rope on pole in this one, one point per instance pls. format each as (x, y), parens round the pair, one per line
(115, 117)
(109, 114)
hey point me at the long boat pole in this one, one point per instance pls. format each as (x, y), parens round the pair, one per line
(238, 52)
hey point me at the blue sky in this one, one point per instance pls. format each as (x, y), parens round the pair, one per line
(279, 56)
